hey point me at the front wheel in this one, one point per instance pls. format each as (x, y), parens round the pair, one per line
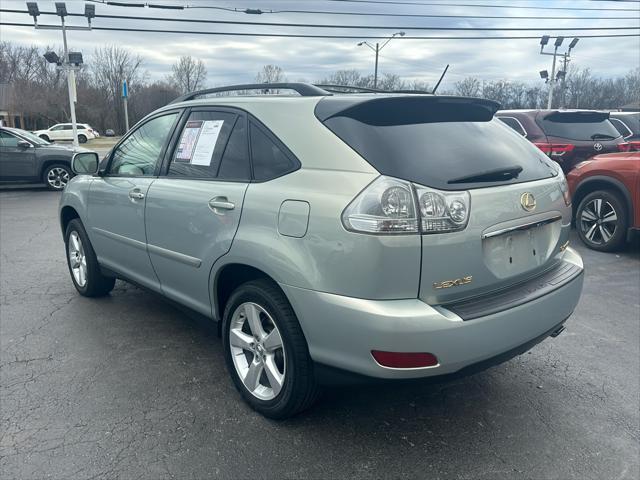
(266, 352)
(83, 263)
(57, 176)
(45, 138)
(601, 220)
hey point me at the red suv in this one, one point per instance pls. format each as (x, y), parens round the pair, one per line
(606, 199)
(567, 136)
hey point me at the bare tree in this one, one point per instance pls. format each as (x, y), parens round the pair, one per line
(188, 74)
(469, 87)
(270, 74)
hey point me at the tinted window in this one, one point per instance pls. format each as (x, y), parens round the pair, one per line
(235, 160)
(138, 154)
(578, 126)
(8, 140)
(57, 127)
(69, 127)
(436, 153)
(269, 159)
(513, 123)
(201, 145)
(631, 120)
(621, 127)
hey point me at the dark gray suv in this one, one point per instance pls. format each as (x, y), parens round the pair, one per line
(24, 157)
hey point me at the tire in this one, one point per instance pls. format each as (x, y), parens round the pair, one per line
(601, 221)
(298, 389)
(95, 284)
(82, 139)
(57, 176)
(45, 138)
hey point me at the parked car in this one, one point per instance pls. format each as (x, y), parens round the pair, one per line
(109, 133)
(28, 158)
(628, 124)
(64, 131)
(606, 199)
(369, 235)
(566, 136)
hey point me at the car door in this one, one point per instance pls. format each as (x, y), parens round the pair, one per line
(56, 132)
(16, 162)
(193, 210)
(117, 199)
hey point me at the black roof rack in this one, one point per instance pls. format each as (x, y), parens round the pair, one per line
(304, 89)
(341, 89)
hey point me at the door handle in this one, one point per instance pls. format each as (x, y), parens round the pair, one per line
(221, 203)
(136, 195)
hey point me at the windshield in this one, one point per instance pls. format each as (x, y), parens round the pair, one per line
(30, 136)
(572, 127)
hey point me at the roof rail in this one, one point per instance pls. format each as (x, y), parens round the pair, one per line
(304, 89)
(341, 89)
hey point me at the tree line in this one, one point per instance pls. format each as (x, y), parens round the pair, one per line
(38, 89)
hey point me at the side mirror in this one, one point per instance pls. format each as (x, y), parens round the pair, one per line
(24, 144)
(85, 163)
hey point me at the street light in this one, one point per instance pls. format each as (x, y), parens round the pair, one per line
(89, 11)
(544, 40)
(32, 8)
(553, 78)
(544, 75)
(573, 43)
(52, 57)
(61, 9)
(377, 49)
(559, 41)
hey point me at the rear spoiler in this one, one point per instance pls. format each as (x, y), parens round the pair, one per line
(407, 109)
(584, 116)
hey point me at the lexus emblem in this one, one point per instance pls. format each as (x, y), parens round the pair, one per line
(597, 146)
(528, 201)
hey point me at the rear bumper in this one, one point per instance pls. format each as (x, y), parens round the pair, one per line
(342, 331)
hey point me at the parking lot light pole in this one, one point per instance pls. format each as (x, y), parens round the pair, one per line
(71, 75)
(552, 79)
(377, 49)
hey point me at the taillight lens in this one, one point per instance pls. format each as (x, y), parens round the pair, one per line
(388, 206)
(564, 187)
(634, 146)
(624, 147)
(385, 206)
(555, 149)
(442, 211)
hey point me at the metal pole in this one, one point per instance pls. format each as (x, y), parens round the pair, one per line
(552, 81)
(126, 116)
(563, 99)
(375, 73)
(71, 80)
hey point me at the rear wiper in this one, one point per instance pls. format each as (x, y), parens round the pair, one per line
(595, 136)
(496, 175)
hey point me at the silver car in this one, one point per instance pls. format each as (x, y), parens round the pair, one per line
(332, 236)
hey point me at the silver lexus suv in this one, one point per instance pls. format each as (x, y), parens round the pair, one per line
(332, 236)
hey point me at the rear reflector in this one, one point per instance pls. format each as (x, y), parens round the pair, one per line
(624, 147)
(555, 149)
(404, 359)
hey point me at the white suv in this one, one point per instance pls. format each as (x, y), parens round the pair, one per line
(64, 131)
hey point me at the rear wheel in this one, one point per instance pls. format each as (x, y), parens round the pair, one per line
(82, 139)
(266, 352)
(601, 220)
(57, 176)
(83, 263)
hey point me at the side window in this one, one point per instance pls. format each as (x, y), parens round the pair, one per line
(513, 123)
(138, 154)
(8, 140)
(621, 127)
(269, 160)
(68, 127)
(202, 144)
(235, 159)
(55, 128)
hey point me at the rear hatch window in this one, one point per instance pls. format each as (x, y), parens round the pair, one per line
(448, 143)
(580, 126)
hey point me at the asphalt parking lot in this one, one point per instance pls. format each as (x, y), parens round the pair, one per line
(130, 387)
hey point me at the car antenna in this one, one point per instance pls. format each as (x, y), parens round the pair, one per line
(433, 92)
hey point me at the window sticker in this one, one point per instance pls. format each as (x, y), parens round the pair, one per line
(188, 141)
(206, 143)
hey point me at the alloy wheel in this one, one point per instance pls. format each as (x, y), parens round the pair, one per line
(598, 221)
(77, 259)
(257, 351)
(58, 178)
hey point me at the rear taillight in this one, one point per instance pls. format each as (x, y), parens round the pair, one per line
(404, 359)
(564, 187)
(624, 147)
(392, 206)
(555, 149)
(634, 146)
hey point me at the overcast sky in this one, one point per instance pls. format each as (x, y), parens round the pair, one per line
(237, 59)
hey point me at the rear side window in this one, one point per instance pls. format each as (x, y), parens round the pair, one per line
(436, 147)
(621, 127)
(270, 158)
(513, 123)
(578, 126)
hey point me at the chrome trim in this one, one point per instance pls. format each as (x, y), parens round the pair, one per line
(524, 226)
(178, 257)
